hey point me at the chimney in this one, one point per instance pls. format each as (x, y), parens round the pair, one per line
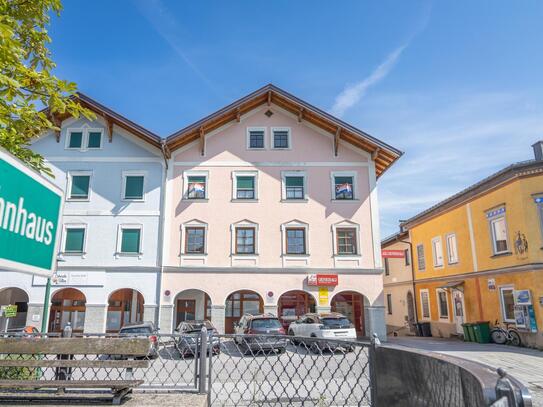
(538, 150)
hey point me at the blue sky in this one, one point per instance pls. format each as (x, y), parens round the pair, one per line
(456, 85)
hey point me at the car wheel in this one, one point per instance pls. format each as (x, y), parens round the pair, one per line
(291, 333)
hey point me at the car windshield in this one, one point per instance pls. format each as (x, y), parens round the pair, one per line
(136, 330)
(196, 326)
(266, 323)
(336, 322)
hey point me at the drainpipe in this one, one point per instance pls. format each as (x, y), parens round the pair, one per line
(412, 277)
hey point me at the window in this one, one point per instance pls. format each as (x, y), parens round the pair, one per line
(425, 303)
(295, 241)
(75, 139)
(79, 186)
(437, 251)
(387, 269)
(74, 241)
(507, 301)
(196, 187)
(452, 250)
(84, 139)
(343, 187)
(539, 202)
(133, 186)
(346, 241)
(245, 187)
(294, 187)
(245, 240)
(420, 257)
(389, 304)
(498, 230)
(129, 239)
(281, 138)
(195, 240)
(407, 257)
(443, 304)
(256, 137)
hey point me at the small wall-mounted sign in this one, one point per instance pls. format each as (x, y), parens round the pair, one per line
(491, 282)
(322, 280)
(323, 296)
(392, 254)
(167, 293)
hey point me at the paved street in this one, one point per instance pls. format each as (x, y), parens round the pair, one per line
(524, 364)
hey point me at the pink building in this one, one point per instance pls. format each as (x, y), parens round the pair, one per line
(271, 206)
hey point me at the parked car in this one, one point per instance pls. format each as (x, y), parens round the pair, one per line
(269, 330)
(143, 329)
(326, 325)
(187, 343)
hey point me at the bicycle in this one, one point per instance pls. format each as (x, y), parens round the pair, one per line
(507, 335)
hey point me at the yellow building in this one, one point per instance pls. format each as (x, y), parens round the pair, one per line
(478, 255)
(398, 284)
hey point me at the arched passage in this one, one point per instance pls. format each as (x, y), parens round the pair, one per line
(294, 304)
(18, 297)
(239, 303)
(124, 306)
(191, 305)
(67, 305)
(350, 304)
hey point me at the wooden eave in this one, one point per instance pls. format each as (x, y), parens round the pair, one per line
(384, 155)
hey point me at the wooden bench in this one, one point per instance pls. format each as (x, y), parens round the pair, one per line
(49, 366)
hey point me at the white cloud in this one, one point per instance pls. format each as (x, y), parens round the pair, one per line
(353, 93)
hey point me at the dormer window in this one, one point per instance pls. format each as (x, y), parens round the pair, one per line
(94, 140)
(84, 139)
(75, 139)
(281, 138)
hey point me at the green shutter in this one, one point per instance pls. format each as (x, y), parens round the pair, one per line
(197, 179)
(294, 181)
(76, 139)
(80, 186)
(130, 241)
(74, 240)
(95, 139)
(245, 182)
(134, 187)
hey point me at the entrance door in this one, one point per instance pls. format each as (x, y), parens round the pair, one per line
(351, 305)
(458, 301)
(186, 311)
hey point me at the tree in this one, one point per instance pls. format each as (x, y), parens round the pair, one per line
(27, 84)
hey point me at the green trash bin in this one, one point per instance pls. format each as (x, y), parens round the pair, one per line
(468, 332)
(481, 330)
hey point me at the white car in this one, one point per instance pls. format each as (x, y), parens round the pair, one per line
(327, 326)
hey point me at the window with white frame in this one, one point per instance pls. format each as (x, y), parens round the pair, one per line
(84, 139)
(420, 257)
(452, 249)
(343, 185)
(295, 238)
(293, 185)
(437, 251)
(507, 303)
(129, 241)
(245, 185)
(244, 238)
(346, 241)
(79, 185)
(196, 185)
(280, 138)
(133, 186)
(74, 239)
(443, 303)
(256, 138)
(498, 230)
(194, 238)
(425, 303)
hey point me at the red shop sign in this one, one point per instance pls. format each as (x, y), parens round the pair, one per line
(323, 280)
(393, 254)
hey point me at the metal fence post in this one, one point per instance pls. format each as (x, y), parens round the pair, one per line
(202, 354)
(375, 342)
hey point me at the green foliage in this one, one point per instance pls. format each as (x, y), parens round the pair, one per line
(26, 80)
(18, 373)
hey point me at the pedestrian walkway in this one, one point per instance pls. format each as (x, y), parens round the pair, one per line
(524, 364)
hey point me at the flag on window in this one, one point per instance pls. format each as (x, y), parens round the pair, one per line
(346, 189)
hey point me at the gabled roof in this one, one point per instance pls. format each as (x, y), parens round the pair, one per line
(112, 117)
(513, 171)
(396, 237)
(383, 154)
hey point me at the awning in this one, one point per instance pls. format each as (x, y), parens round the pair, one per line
(453, 284)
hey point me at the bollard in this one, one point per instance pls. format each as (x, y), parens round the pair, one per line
(65, 373)
(202, 354)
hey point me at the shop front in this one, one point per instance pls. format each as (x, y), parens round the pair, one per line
(240, 303)
(294, 304)
(350, 304)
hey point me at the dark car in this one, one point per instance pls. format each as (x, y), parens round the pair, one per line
(143, 329)
(187, 343)
(268, 330)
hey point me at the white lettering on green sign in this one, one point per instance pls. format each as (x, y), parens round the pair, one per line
(17, 219)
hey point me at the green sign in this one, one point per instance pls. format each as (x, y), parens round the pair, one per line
(9, 311)
(30, 215)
